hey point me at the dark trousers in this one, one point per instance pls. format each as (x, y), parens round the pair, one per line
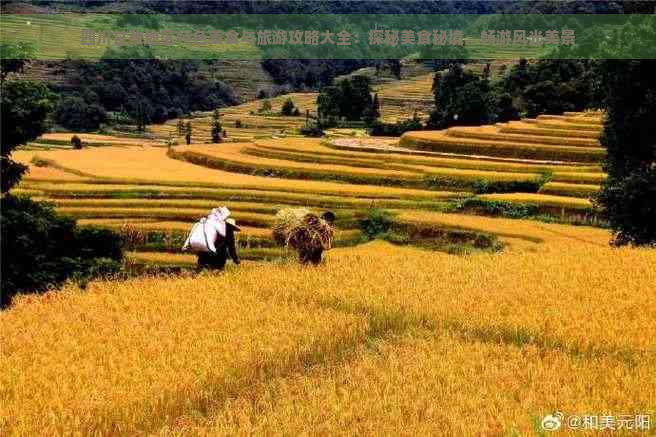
(212, 260)
(313, 256)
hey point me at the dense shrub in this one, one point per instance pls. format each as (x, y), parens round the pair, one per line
(75, 113)
(376, 222)
(46, 249)
(288, 107)
(76, 142)
(397, 129)
(350, 99)
(462, 99)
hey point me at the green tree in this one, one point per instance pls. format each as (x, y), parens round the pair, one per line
(216, 126)
(180, 127)
(75, 114)
(188, 132)
(628, 196)
(32, 233)
(461, 98)
(287, 107)
(25, 107)
(373, 112)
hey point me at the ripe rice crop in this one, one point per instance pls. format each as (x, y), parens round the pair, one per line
(529, 129)
(573, 190)
(150, 166)
(439, 141)
(430, 343)
(311, 149)
(493, 133)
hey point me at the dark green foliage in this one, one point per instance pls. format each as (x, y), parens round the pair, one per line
(551, 86)
(75, 113)
(25, 106)
(266, 107)
(443, 56)
(76, 142)
(148, 90)
(496, 208)
(372, 113)
(288, 107)
(377, 221)
(484, 186)
(138, 18)
(311, 130)
(216, 127)
(462, 99)
(46, 249)
(349, 99)
(394, 129)
(628, 196)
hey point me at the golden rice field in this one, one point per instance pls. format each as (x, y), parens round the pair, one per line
(161, 191)
(377, 340)
(380, 339)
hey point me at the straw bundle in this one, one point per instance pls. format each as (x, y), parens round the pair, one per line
(300, 229)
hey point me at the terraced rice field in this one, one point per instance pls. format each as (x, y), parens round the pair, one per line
(399, 100)
(161, 191)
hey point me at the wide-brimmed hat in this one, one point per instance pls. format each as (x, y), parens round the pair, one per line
(233, 223)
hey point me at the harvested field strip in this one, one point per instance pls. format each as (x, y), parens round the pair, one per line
(240, 163)
(316, 150)
(381, 146)
(450, 167)
(578, 118)
(438, 141)
(540, 200)
(229, 196)
(593, 128)
(456, 173)
(164, 203)
(579, 177)
(495, 135)
(573, 190)
(173, 214)
(299, 196)
(345, 218)
(166, 226)
(529, 129)
(232, 153)
(151, 166)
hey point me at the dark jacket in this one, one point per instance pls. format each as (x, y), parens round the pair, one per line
(225, 247)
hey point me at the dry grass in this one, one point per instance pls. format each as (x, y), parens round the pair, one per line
(429, 344)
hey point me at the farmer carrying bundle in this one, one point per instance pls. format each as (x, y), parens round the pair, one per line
(305, 232)
(212, 238)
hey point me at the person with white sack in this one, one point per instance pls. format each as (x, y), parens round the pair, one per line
(213, 239)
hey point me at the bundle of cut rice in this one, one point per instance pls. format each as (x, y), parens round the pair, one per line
(299, 228)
